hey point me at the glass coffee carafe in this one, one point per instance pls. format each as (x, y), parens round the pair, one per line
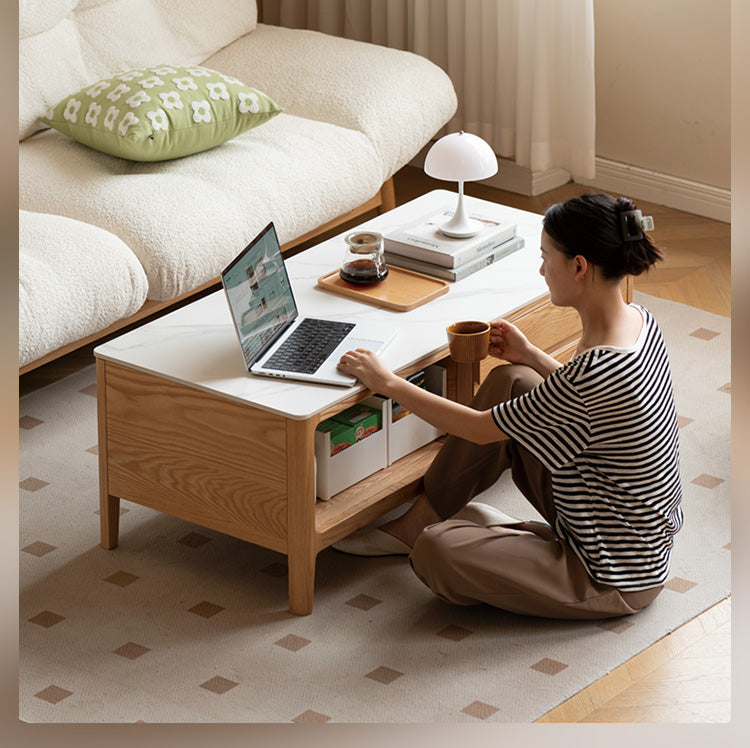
(364, 261)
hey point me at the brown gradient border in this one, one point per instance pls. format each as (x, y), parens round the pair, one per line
(382, 736)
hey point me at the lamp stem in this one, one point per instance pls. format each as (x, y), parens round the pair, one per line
(460, 225)
(460, 210)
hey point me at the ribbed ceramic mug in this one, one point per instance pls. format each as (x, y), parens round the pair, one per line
(469, 341)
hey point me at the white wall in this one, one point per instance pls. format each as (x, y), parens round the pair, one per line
(663, 90)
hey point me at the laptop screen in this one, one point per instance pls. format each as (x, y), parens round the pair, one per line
(259, 293)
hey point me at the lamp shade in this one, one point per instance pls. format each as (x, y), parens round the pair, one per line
(460, 157)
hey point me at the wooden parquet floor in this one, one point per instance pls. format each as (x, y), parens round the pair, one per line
(684, 677)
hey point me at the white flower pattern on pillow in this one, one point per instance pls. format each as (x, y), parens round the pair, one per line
(71, 110)
(117, 93)
(110, 117)
(95, 90)
(253, 106)
(127, 122)
(201, 111)
(132, 75)
(171, 100)
(92, 115)
(196, 108)
(217, 91)
(158, 119)
(151, 82)
(185, 84)
(141, 97)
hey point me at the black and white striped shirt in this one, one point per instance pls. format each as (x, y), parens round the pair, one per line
(605, 426)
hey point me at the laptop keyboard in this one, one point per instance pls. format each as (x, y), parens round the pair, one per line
(309, 345)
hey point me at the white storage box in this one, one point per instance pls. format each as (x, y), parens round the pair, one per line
(410, 432)
(351, 465)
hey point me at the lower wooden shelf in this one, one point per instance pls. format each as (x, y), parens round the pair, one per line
(370, 498)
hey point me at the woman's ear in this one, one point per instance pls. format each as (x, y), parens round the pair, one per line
(581, 266)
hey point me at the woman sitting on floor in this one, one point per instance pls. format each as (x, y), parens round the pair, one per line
(591, 444)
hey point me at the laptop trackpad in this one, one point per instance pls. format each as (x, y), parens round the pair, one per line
(370, 345)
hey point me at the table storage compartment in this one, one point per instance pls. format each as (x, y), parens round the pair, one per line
(336, 472)
(410, 432)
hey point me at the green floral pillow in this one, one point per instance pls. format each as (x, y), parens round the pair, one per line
(159, 113)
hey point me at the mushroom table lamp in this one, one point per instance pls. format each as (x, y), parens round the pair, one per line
(460, 157)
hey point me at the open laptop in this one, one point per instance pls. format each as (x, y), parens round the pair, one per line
(276, 341)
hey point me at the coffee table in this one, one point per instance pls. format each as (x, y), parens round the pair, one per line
(185, 430)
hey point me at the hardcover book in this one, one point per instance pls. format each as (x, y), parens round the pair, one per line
(423, 240)
(462, 271)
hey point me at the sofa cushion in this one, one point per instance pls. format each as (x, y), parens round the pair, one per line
(66, 44)
(74, 280)
(162, 112)
(186, 219)
(399, 100)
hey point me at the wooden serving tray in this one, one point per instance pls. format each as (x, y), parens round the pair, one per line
(402, 290)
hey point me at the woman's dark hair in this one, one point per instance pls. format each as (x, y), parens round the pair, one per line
(593, 226)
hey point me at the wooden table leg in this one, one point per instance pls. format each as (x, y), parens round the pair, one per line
(109, 506)
(301, 548)
(467, 375)
(109, 509)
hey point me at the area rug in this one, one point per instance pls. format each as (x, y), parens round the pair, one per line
(183, 624)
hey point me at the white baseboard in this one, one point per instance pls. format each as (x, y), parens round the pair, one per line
(663, 189)
(522, 180)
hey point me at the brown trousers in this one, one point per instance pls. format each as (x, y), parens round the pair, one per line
(523, 568)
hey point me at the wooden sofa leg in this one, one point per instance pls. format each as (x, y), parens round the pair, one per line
(387, 197)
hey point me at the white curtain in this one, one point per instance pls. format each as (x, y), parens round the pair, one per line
(523, 69)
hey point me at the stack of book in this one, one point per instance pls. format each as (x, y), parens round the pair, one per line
(421, 246)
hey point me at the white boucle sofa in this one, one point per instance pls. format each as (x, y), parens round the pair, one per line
(105, 241)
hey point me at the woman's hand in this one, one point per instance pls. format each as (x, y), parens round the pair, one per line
(368, 368)
(509, 343)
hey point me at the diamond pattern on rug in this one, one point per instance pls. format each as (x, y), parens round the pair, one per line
(206, 609)
(480, 710)
(726, 388)
(363, 602)
(615, 625)
(219, 685)
(676, 584)
(47, 619)
(122, 578)
(548, 666)
(32, 484)
(310, 717)
(39, 549)
(29, 422)
(90, 390)
(682, 421)
(53, 694)
(93, 450)
(384, 675)
(194, 540)
(704, 334)
(292, 642)
(454, 633)
(131, 651)
(707, 481)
